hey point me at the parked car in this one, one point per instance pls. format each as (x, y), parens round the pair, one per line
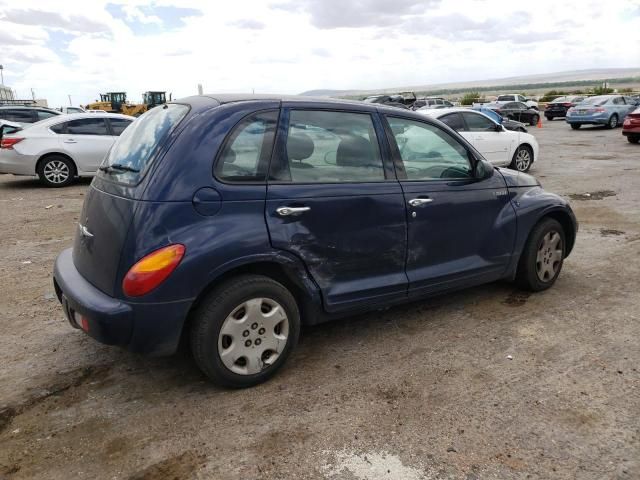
(181, 233)
(72, 110)
(431, 102)
(8, 127)
(515, 97)
(26, 115)
(505, 122)
(631, 126)
(607, 110)
(498, 145)
(517, 111)
(559, 106)
(392, 101)
(61, 147)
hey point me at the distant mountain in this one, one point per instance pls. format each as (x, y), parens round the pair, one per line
(557, 77)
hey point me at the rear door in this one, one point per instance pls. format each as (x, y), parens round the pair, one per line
(461, 230)
(87, 141)
(335, 203)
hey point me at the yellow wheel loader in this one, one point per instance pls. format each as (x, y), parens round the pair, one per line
(149, 100)
(112, 102)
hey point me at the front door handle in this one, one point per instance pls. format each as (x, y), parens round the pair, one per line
(416, 202)
(70, 140)
(288, 211)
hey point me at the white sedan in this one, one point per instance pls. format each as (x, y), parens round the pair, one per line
(501, 147)
(62, 147)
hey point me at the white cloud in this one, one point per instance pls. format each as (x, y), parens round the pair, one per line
(84, 48)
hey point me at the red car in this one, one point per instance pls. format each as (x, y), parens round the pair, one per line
(631, 126)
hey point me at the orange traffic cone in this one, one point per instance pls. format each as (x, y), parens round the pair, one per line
(539, 122)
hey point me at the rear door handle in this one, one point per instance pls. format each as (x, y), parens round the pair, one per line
(416, 202)
(289, 211)
(69, 140)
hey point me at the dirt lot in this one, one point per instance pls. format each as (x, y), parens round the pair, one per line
(489, 383)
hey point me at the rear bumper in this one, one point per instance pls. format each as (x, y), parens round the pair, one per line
(588, 119)
(555, 113)
(149, 328)
(17, 164)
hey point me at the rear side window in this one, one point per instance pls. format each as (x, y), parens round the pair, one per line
(454, 120)
(332, 147)
(618, 101)
(478, 123)
(59, 128)
(135, 148)
(118, 125)
(429, 153)
(87, 126)
(245, 157)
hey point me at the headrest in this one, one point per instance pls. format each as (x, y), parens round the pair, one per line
(299, 146)
(354, 151)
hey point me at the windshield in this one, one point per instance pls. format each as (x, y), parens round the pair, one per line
(506, 98)
(597, 101)
(135, 148)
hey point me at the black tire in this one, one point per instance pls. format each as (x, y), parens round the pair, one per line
(209, 317)
(576, 126)
(56, 171)
(613, 121)
(548, 118)
(518, 165)
(534, 120)
(633, 138)
(527, 276)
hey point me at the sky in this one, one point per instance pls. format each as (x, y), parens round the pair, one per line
(84, 47)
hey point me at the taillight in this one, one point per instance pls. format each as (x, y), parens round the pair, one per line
(8, 143)
(152, 270)
(599, 110)
(567, 105)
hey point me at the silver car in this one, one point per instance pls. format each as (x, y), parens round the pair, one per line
(61, 148)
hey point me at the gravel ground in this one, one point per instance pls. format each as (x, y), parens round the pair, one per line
(486, 383)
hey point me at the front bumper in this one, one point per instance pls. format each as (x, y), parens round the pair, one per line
(17, 164)
(149, 328)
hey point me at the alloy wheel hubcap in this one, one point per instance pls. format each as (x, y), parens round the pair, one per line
(253, 336)
(523, 159)
(549, 256)
(56, 171)
(614, 121)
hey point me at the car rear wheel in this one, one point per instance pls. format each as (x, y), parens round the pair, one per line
(613, 121)
(548, 118)
(534, 120)
(56, 171)
(542, 257)
(576, 126)
(243, 332)
(633, 138)
(522, 159)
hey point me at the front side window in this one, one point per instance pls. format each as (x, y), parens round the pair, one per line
(246, 154)
(87, 126)
(478, 123)
(332, 147)
(429, 153)
(43, 114)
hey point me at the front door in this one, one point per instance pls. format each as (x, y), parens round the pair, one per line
(333, 202)
(461, 230)
(492, 143)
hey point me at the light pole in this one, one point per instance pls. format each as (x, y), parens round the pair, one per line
(1, 75)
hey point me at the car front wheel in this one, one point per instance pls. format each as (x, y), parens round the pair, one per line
(534, 120)
(548, 118)
(522, 159)
(243, 332)
(56, 171)
(542, 257)
(613, 121)
(576, 126)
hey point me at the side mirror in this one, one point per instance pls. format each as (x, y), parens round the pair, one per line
(482, 169)
(498, 127)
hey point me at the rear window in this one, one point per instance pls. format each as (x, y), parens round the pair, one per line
(597, 101)
(135, 148)
(506, 98)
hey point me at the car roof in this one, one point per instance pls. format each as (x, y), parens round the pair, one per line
(28, 107)
(244, 97)
(66, 117)
(439, 112)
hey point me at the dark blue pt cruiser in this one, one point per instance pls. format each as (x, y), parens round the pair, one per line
(234, 220)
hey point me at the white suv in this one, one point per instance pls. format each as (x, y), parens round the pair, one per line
(515, 97)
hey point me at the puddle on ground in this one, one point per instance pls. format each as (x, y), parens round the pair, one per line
(610, 232)
(517, 298)
(598, 195)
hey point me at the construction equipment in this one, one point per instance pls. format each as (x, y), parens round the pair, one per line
(109, 102)
(149, 100)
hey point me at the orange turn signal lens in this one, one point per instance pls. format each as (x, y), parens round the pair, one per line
(152, 270)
